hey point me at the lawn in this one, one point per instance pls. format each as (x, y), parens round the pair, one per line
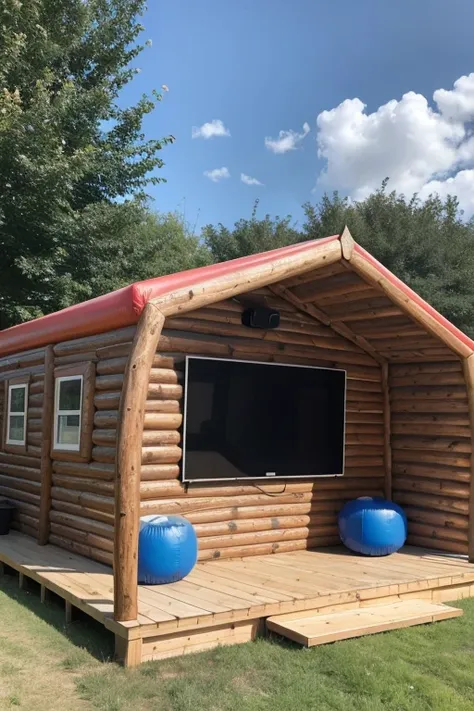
(47, 667)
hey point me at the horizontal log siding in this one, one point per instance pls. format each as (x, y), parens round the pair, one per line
(20, 476)
(431, 451)
(430, 436)
(235, 518)
(82, 513)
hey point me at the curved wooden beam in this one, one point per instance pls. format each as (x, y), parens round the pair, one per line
(128, 462)
(402, 296)
(232, 283)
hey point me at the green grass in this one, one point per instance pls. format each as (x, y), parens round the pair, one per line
(45, 666)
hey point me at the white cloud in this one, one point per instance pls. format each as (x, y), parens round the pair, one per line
(217, 174)
(287, 140)
(210, 130)
(420, 148)
(457, 104)
(248, 180)
(461, 185)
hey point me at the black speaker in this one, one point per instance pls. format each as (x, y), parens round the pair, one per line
(261, 317)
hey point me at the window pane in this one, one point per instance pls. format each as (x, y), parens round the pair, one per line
(68, 429)
(70, 394)
(17, 400)
(17, 428)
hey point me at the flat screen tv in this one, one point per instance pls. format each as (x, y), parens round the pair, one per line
(250, 420)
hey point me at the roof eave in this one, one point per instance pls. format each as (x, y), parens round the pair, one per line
(370, 269)
(311, 255)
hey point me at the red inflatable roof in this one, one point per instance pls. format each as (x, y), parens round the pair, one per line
(123, 307)
(390, 276)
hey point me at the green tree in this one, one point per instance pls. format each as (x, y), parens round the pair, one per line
(427, 244)
(249, 236)
(161, 244)
(72, 161)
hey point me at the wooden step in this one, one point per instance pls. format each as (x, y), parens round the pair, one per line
(310, 629)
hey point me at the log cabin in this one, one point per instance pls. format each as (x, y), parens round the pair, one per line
(92, 409)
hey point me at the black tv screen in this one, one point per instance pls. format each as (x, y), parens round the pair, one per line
(246, 420)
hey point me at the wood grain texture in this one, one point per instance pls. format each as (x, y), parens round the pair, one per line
(229, 285)
(311, 630)
(431, 451)
(83, 486)
(128, 462)
(202, 332)
(387, 436)
(218, 601)
(338, 326)
(409, 427)
(46, 436)
(431, 325)
(468, 369)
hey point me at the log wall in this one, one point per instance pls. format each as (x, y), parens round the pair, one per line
(428, 437)
(20, 473)
(431, 452)
(235, 519)
(82, 504)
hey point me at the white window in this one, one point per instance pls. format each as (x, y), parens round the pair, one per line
(68, 413)
(16, 414)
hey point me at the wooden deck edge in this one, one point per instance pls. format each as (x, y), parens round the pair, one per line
(68, 597)
(449, 593)
(436, 589)
(138, 641)
(445, 588)
(147, 649)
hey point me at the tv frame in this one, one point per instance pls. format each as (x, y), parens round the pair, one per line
(268, 477)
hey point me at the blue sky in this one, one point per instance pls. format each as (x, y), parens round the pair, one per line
(265, 66)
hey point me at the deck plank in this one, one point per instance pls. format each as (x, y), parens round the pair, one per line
(322, 629)
(228, 591)
(334, 576)
(241, 590)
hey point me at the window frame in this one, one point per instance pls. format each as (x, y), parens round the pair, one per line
(58, 446)
(81, 452)
(9, 445)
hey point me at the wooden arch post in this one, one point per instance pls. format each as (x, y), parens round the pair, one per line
(129, 452)
(135, 388)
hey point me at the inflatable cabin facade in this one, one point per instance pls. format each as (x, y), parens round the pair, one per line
(93, 396)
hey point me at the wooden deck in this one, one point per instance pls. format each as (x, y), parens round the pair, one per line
(226, 602)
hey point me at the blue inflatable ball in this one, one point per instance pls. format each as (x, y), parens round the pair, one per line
(167, 549)
(372, 526)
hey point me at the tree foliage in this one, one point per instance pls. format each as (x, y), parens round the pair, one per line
(72, 161)
(426, 244)
(74, 166)
(162, 244)
(249, 236)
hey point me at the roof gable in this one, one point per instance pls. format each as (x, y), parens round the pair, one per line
(185, 291)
